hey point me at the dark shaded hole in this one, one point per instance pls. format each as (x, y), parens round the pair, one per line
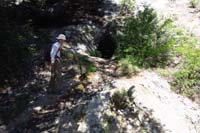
(107, 46)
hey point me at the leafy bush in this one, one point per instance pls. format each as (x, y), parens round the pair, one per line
(92, 68)
(187, 78)
(144, 39)
(129, 4)
(120, 99)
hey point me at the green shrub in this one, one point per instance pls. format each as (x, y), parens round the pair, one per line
(145, 39)
(129, 4)
(85, 64)
(120, 99)
(92, 68)
(194, 3)
(165, 72)
(187, 78)
(126, 67)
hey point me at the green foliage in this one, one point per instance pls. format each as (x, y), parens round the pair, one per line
(120, 99)
(126, 67)
(83, 63)
(194, 3)
(68, 55)
(188, 77)
(130, 4)
(145, 39)
(92, 68)
(95, 53)
(165, 72)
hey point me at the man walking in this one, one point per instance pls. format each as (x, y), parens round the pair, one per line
(56, 63)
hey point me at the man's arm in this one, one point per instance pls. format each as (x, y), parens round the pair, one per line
(53, 53)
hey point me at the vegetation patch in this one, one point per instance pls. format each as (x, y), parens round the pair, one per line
(95, 53)
(145, 40)
(195, 3)
(127, 68)
(120, 100)
(187, 78)
(165, 72)
(84, 64)
(128, 4)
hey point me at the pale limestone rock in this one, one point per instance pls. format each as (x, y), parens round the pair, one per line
(175, 113)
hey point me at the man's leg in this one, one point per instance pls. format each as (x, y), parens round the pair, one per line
(55, 81)
(58, 76)
(52, 80)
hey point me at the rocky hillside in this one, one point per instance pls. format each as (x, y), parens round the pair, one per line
(95, 96)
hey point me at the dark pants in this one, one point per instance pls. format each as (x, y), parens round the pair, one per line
(55, 81)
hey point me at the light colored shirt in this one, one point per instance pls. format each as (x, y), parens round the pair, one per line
(55, 51)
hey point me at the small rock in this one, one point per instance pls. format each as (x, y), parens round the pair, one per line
(68, 104)
(120, 113)
(82, 127)
(129, 127)
(37, 109)
(137, 123)
(61, 106)
(57, 121)
(140, 116)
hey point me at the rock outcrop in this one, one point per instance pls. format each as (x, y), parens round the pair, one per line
(155, 108)
(175, 113)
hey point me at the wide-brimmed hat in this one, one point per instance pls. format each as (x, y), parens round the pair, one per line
(61, 37)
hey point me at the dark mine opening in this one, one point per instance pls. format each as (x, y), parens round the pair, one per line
(107, 46)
